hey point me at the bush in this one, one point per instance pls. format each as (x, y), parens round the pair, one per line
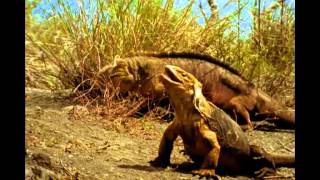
(74, 42)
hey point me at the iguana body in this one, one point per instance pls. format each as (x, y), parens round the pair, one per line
(211, 138)
(222, 85)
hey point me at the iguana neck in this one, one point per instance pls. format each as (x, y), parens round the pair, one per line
(185, 113)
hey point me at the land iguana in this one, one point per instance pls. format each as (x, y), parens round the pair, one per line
(222, 85)
(211, 138)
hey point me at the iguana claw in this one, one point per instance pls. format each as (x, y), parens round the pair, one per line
(208, 173)
(264, 171)
(159, 163)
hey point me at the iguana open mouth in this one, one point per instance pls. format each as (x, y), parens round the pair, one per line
(170, 75)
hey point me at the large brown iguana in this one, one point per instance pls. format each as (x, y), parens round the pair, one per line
(211, 138)
(222, 85)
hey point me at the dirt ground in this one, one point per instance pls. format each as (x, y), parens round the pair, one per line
(68, 141)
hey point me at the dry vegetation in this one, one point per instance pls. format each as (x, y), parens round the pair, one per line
(68, 47)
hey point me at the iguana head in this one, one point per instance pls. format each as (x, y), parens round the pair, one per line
(120, 75)
(184, 89)
(180, 85)
(179, 82)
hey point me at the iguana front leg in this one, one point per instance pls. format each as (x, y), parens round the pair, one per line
(240, 105)
(166, 146)
(210, 162)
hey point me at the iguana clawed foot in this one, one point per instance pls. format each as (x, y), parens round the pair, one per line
(247, 127)
(206, 173)
(264, 171)
(158, 162)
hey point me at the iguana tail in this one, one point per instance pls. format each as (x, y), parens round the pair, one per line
(274, 160)
(270, 106)
(280, 160)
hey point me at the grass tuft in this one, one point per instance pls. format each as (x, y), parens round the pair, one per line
(69, 47)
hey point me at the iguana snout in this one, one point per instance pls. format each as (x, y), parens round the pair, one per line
(121, 77)
(176, 79)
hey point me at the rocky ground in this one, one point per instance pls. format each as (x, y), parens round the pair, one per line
(68, 141)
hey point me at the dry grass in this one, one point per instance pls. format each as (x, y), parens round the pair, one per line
(68, 48)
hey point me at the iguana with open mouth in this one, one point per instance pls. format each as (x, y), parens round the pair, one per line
(211, 138)
(222, 85)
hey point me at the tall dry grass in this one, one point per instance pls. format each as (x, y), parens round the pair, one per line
(68, 48)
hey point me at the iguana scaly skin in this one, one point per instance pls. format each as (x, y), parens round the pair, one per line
(222, 85)
(211, 138)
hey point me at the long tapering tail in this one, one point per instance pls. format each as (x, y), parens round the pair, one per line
(281, 160)
(276, 160)
(268, 105)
